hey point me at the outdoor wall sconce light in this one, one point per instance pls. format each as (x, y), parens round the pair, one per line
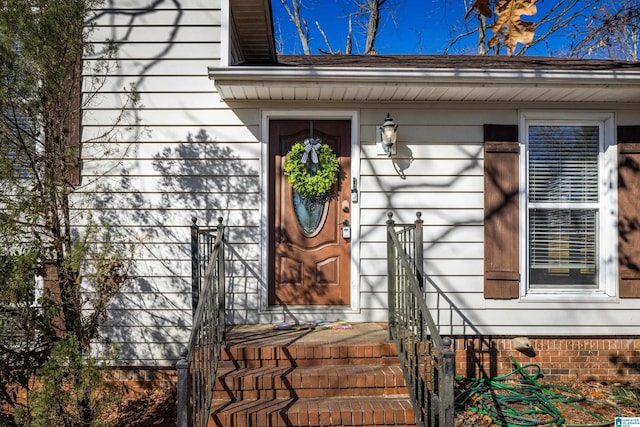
(388, 135)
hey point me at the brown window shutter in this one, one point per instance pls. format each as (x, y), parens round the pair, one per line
(629, 211)
(501, 219)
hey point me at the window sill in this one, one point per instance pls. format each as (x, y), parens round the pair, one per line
(597, 297)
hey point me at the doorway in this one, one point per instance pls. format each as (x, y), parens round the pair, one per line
(309, 241)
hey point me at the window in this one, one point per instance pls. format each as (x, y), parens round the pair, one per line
(18, 142)
(19, 148)
(568, 199)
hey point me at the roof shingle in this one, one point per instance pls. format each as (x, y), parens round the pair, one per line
(454, 62)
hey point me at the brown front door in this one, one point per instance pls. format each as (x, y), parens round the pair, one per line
(309, 257)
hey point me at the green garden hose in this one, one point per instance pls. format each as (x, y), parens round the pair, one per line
(517, 399)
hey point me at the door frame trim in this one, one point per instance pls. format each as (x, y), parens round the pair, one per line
(315, 114)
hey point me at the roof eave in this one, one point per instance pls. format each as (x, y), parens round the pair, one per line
(338, 77)
(394, 75)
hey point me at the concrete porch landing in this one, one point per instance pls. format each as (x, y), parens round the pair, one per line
(360, 333)
(329, 377)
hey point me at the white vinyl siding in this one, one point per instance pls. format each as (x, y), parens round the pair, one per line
(438, 171)
(180, 155)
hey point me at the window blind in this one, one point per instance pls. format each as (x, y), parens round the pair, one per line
(563, 205)
(563, 163)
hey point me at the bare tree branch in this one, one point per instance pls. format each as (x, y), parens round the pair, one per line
(349, 42)
(613, 31)
(367, 14)
(458, 38)
(373, 9)
(558, 18)
(301, 25)
(326, 40)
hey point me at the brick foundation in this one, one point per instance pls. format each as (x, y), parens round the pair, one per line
(560, 358)
(132, 380)
(144, 378)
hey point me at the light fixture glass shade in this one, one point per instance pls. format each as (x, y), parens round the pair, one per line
(389, 135)
(388, 131)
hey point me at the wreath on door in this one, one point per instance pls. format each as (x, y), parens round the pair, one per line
(311, 168)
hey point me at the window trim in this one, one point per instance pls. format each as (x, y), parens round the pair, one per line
(607, 290)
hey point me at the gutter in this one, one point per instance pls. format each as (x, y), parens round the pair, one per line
(396, 76)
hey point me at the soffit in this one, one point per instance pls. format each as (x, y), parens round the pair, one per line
(253, 30)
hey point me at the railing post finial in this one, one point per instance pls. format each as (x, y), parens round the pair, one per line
(390, 220)
(220, 227)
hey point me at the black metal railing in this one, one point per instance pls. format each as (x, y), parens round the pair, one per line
(198, 366)
(427, 361)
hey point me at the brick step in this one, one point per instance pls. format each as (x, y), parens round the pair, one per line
(273, 378)
(343, 411)
(315, 381)
(251, 356)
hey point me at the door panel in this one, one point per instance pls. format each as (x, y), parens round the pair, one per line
(313, 267)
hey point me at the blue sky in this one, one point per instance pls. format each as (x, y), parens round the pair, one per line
(417, 26)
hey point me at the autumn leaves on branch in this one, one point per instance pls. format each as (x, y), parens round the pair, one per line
(508, 28)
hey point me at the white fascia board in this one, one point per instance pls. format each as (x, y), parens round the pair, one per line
(395, 76)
